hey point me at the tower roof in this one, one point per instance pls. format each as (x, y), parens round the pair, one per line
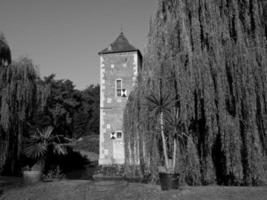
(121, 44)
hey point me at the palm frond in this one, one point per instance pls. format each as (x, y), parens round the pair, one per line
(37, 146)
(161, 103)
(47, 132)
(35, 151)
(175, 125)
(59, 149)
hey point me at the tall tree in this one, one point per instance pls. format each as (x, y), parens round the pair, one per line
(61, 106)
(90, 110)
(213, 56)
(5, 58)
(71, 112)
(20, 97)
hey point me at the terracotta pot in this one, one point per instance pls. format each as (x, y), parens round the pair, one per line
(30, 177)
(169, 181)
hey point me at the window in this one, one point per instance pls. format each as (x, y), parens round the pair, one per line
(119, 135)
(118, 87)
(116, 135)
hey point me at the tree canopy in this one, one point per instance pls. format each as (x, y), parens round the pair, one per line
(71, 112)
(28, 102)
(20, 96)
(212, 55)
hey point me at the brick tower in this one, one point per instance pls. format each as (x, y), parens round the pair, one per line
(119, 66)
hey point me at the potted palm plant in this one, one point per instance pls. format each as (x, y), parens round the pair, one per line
(37, 147)
(171, 129)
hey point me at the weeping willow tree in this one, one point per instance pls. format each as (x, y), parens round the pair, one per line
(213, 56)
(20, 96)
(5, 60)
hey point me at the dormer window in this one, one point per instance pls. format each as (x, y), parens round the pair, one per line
(118, 86)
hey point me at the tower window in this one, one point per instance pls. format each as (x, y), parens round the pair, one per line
(116, 135)
(119, 135)
(118, 87)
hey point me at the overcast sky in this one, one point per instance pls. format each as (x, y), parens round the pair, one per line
(64, 36)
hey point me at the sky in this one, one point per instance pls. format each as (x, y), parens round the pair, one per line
(65, 36)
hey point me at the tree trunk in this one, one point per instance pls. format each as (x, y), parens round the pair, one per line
(3, 150)
(174, 153)
(164, 141)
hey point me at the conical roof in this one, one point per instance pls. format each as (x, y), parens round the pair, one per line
(121, 44)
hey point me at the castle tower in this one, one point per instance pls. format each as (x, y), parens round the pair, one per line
(119, 66)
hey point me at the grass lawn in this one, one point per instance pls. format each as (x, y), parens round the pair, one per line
(108, 190)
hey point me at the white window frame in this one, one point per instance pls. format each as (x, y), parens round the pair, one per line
(116, 90)
(116, 135)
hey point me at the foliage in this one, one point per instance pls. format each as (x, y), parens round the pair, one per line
(71, 112)
(60, 107)
(27, 99)
(110, 171)
(160, 106)
(21, 96)
(171, 126)
(40, 144)
(213, 58)
(162, 103)
(86, 117)
(89, 143)
(54, 174)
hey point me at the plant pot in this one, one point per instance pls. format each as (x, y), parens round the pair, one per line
(169, 181)
(30, 177)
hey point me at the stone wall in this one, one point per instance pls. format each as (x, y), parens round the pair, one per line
(114, 66)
